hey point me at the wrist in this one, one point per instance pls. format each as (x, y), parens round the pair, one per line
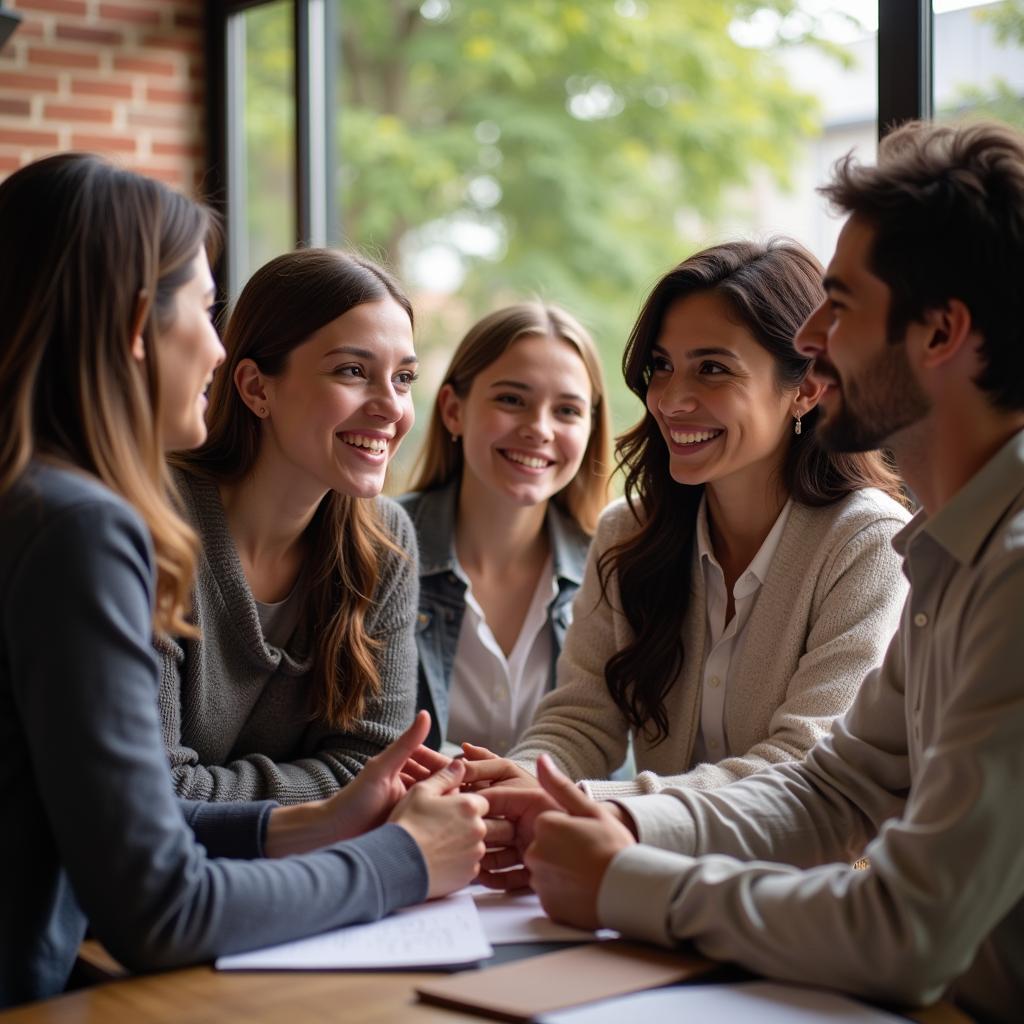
(299, 829)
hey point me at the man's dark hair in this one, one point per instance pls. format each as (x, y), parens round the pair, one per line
(947, 206)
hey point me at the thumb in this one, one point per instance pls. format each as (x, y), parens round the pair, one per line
(475, 753)
(563, 790)
(393, 757)
(445, 780)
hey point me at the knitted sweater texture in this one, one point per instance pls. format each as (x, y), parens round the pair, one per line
(236, 711)
(822, 619)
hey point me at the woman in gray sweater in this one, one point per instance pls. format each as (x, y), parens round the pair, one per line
(105, 289)
(306, 590)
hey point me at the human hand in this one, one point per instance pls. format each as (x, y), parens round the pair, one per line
(421, 764)
(362, 805)
(571, 851)
(485, 768)
(369, 798)
(510, 827)
(447, 826)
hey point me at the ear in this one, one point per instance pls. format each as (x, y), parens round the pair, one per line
(807, 395)
(252, 387)
(138, 343)
(450, 407)
(950, 329)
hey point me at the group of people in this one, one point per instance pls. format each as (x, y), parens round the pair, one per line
(233, 676)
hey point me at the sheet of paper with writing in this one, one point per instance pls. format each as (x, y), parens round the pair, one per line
(441, 934)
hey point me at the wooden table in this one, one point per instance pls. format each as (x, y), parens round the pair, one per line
(201, 995)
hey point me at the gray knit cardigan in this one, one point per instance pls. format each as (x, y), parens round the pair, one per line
(236, 711)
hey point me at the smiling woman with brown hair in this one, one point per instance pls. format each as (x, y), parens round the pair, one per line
(735, 599)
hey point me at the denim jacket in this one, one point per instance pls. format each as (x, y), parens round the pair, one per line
(442, 593)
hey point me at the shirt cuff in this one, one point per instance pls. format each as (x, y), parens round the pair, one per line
(607, 789)
(399, 864)
(661, 821)
(636, 892)
(234, 830)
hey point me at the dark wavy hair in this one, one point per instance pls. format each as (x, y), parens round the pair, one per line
(946, 203)
(770, 288)
(284, 303)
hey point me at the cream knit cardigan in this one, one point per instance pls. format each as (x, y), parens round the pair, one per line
(823, 617)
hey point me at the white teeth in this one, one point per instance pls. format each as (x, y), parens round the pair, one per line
(693, 437)
(527, 460)
(377, 445)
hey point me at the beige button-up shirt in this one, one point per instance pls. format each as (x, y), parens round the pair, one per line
(924, 775)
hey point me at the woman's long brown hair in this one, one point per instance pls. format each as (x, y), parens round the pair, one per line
(440, 461)
(770, 289)
(89, 254)
(284, 303)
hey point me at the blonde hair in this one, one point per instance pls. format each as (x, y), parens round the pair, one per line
(440, 462)
(284, 303)
(90, 254)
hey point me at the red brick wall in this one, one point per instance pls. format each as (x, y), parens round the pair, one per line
(123, 78)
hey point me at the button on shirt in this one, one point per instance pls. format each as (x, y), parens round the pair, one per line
(493, 698)
(724, 640)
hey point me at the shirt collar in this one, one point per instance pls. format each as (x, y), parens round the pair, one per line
(761, 562)
(435, 519)
(966, 521)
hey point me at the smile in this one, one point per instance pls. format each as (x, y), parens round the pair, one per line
(522, 459)
(370, 445)
(688, 437)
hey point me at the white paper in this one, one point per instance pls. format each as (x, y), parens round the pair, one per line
(440, 934)
(746, 1002)
(519, 917)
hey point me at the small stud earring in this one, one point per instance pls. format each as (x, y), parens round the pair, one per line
(262, 410)
(455, 438)
(797, 427)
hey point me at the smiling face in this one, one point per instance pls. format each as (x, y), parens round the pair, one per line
(187, 353)
(525, 422)
(714, 395)
(334, 418)
(872, 392)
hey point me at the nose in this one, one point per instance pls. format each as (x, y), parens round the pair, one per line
(537, 425)
(385, 403)
(812, 337)
(677, 396)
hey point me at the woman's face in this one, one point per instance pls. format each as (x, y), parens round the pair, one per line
(526, 421)
(337, 414)
(187, 354)
(714, 395)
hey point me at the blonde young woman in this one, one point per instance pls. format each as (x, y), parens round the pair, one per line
(106, 349)
(514, 474)
(306, 587)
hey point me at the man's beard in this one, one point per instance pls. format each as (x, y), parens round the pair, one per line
(883, 400)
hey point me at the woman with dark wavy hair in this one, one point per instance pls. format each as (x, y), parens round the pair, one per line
(737, 596)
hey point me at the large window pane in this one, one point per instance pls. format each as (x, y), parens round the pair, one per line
(574, 151)
(261, 154)
(979, 59)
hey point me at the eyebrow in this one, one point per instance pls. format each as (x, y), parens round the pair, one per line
(697, 353)
(831, 283)
(364, 353)
(518, 385)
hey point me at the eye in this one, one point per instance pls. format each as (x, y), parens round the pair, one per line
(569, 411)
(349, 370)
(710, 369)
(509, 399)
(660, 364)
(405, 379)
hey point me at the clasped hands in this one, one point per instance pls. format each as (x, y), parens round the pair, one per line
(478, 816)
(542, 832)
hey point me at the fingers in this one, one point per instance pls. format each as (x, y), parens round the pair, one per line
(494, 769)
(432, 760)
(501, 860)
(564, 790)
(445, 780)
(512, 803)
(506, 881)
(475, 753)
(393, 757)
(499, 831)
